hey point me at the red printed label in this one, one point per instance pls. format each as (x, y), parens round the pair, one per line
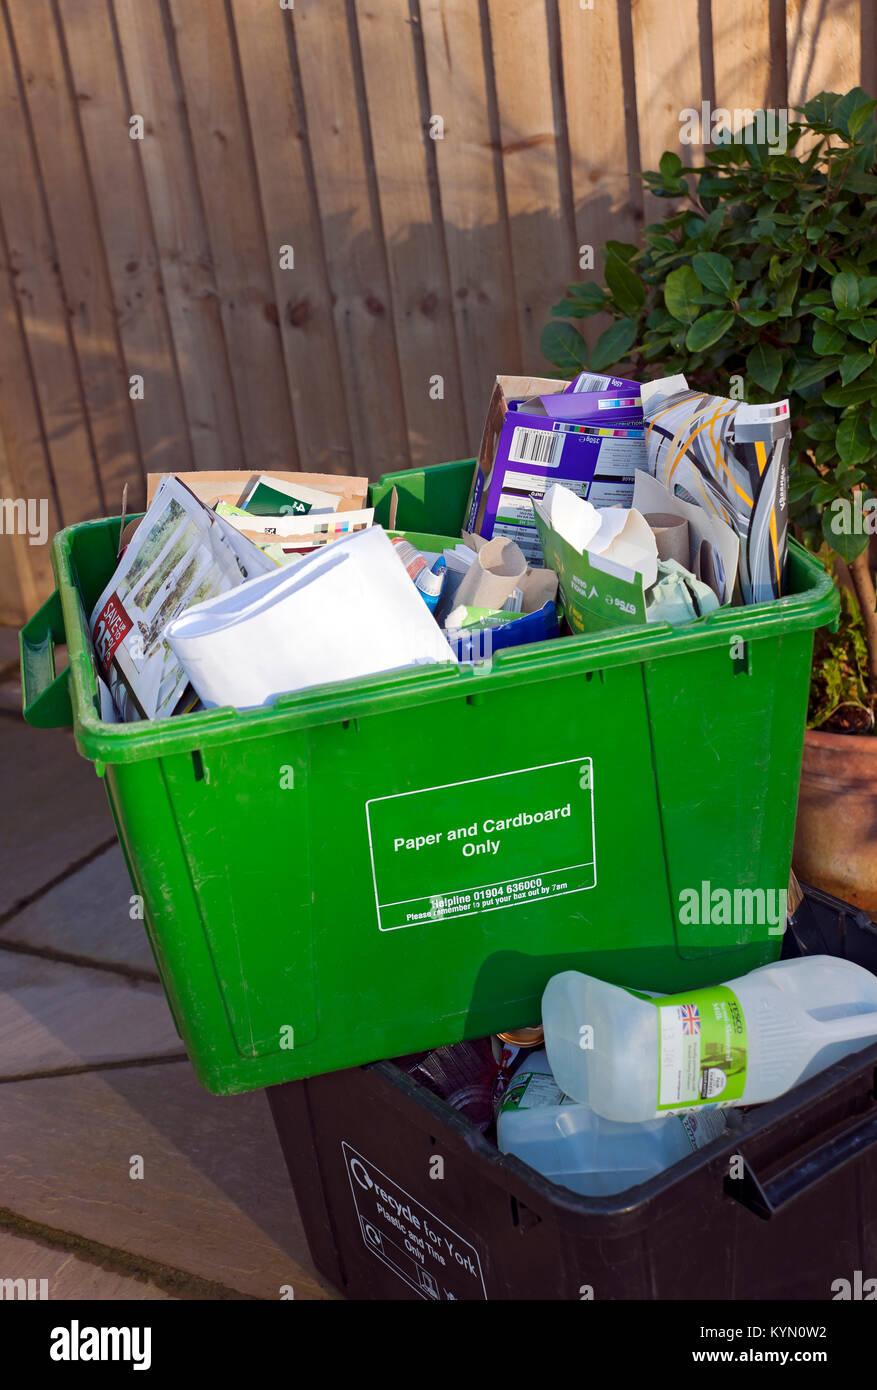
(110, 628)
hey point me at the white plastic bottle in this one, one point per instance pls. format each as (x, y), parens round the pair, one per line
(631, 1058)
(570, 1144)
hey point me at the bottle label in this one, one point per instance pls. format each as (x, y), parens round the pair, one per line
(702, 1050)
(702, 1127)
(532, 1089)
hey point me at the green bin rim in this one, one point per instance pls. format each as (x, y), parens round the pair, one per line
(815, 604)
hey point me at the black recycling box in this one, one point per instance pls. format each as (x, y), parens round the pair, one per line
(401, 1197)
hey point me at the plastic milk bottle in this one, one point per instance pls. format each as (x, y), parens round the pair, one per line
(631, 1057)
(572, 1145)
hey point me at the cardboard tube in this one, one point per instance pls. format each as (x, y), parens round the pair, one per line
(538, 587)
(671, 536)
(497, 569)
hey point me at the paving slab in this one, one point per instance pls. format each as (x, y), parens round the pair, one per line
(53, 809)
(214, 1199)
(88, 914)
(54, 1016)
(66, 1276)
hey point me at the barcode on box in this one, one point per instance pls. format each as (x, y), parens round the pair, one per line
(591, 383)
(536, 446)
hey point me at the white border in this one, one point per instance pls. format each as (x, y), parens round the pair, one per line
(467, 782)
(349, 1149)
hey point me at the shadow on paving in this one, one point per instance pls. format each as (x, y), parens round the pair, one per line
(216, 1198)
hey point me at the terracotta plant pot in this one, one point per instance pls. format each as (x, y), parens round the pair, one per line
(836, 833)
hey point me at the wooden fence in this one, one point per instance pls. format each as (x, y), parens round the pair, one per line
(307, 233)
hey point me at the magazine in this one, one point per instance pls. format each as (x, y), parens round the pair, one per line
(294, 533)
(180, 555)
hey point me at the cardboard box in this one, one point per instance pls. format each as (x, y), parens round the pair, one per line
(591, 445)
(213, 487)
(598, 592)
(595, 593)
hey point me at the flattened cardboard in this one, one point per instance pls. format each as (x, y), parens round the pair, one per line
(595, 593)
(526, 447)
(212, 487)
(505, 389)
(650, 495)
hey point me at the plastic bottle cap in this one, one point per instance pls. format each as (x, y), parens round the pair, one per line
(524, 1037)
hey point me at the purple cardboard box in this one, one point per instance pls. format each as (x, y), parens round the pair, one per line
(587, 434)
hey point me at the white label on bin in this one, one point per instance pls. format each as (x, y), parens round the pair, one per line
(411, 1240)
(511, 839)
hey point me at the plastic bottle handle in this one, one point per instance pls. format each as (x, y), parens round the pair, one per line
(841, 1029)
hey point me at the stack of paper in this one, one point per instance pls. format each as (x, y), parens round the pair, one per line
(347, 493)
(345, 611)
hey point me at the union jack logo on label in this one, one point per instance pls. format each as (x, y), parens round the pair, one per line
(690, 1015)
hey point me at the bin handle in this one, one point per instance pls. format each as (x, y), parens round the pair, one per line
(45, 693)
(768, 1199)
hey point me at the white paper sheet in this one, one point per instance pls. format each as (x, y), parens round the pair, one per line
(346, 611)
(459, 559)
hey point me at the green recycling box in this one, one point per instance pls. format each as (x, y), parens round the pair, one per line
(381, 866)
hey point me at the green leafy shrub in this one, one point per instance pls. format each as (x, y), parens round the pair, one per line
(763, 284)
(839, 685)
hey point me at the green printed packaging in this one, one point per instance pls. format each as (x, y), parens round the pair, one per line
(703, 1049)
(594, 593)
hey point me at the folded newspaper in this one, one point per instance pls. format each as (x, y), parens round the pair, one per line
(180, 555)
(733, 460)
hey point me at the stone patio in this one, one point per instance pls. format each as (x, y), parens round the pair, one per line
(93, 1074)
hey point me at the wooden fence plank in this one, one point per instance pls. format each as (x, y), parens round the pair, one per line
(304, 303)
(668, 80)
(824, 47)
(80, 251)
(352, 238)
(742, 54)
(27, 577)
(608, 202)
(34, 268)
(27, 471)
(26, 573)
(543, 243)
(130, 250)
(415, 250)
(182, 238)
(475, 232)
(228, 188)
(25, 569)
(824, 52)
